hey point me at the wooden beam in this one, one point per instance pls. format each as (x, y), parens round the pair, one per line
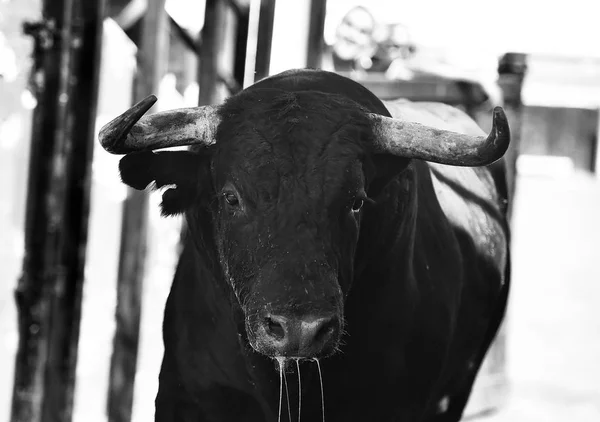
(152, 63)
(48, 294)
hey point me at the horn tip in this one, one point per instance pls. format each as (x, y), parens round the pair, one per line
(499, 113)
(146, 104)
(150, 99)
(108, 138)
(500, 124)
(112, 136)
(499, 136)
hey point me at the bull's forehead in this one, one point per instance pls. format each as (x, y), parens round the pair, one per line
(291, 171)
(301, 144)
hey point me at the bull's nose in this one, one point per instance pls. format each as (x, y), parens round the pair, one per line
(308, 336)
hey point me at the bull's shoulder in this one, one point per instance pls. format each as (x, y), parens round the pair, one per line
(469, 199)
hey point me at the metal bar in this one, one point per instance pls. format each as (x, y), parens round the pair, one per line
(48, 294)
(250, 44)
(152, 62)
(242, 37)
(316, 43)
(187, 39)
(233, 86)
(264, 40)
(512, 69)
(596, 159)
(213, 38)
(237, 9)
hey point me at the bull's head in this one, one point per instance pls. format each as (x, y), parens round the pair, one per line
(281, 179)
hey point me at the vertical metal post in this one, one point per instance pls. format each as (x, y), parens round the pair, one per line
(213, 42)
(48, 294)
(242, 36)
(259, 40)
(596, 159)
(316, 43)
(251, 43)
(512, 69)
(152, 63)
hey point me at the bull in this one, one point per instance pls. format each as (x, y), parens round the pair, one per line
(340, 264)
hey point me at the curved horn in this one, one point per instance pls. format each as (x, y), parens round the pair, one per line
(185, 126)
(413, 140)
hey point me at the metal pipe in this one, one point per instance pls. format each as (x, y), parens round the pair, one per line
(48, 294)
(152, 62)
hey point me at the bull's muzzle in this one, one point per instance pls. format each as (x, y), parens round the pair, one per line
(306, 336)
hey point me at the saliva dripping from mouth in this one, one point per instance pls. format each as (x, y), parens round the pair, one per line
(322, 394)
(287, 394)
(299, 389)
(282, 362)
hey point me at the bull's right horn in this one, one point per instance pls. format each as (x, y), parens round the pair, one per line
(413, 140)
(131, 132)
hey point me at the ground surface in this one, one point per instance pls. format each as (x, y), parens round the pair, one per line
(553, 337)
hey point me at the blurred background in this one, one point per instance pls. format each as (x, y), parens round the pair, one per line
(88, 262)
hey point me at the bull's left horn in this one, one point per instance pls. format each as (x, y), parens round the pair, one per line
(131, 132)
(413, 140)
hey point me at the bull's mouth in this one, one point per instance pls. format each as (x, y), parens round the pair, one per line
(277, 335)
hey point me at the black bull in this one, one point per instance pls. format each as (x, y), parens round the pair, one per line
(321, 239)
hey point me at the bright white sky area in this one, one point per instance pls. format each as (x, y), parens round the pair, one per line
(563, 27)
(468, 35)
(533, 26)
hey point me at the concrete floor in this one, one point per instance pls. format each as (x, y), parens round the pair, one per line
(554, 315)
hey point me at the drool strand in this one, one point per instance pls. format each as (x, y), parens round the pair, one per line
(281, 361)
(299, 389)
(287, 394)
(322, 394)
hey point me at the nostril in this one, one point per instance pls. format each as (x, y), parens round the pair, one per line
(299, 336)
(274, 327)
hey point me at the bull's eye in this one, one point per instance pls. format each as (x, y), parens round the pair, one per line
(357, 205)
(231, 199)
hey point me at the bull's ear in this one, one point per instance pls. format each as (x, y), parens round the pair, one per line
(180, 170)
